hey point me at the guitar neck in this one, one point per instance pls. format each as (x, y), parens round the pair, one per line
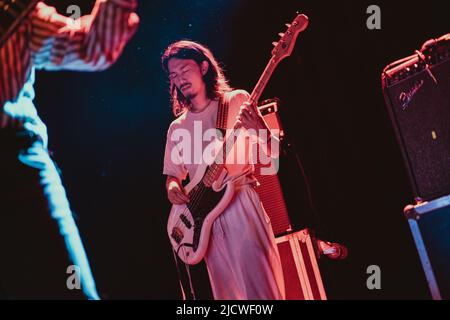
(263, 80)
(12, 13)
(216, 168)
(282, 49)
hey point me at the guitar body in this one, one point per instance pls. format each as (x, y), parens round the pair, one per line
(189, 225)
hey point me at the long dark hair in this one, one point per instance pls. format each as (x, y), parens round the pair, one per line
(215, 81)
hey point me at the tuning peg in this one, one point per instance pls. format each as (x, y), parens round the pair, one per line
(274, 44)
(288, 25)
(281, 34)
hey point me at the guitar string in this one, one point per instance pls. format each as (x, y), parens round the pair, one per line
(212, 171)
(194, 202)
(197, 196)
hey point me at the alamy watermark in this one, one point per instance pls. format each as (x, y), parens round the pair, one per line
(74, 21)
(374, 20)
(246, 146)
(374, 280)
(73, 281)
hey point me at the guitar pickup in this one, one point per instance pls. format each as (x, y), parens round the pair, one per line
(186, 221)
(177, 235)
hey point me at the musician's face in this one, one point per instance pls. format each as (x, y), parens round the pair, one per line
(187, 76)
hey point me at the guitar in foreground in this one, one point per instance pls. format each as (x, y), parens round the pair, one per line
(189, 225)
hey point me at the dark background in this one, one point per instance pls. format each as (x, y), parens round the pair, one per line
(107, 133)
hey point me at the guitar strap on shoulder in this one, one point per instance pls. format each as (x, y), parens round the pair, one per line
(222, 112)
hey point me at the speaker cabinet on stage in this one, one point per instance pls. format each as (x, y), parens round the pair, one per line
(430, 227)
(269, 190)
(300, 268)
(417, 94)
(297, 249)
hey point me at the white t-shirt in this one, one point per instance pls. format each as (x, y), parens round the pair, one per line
(191, 142)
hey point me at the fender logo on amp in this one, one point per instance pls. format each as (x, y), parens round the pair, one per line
(406, 97)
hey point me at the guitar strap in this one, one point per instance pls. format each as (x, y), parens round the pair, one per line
(175, 257)
(222, 112)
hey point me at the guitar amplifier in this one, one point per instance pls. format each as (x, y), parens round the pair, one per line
(300, 268)
(269, 190)
(430, 226)
(417, 93)
(12, 12)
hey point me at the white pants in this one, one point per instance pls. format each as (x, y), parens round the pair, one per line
(242, 258)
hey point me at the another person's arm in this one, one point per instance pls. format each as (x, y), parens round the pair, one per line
(90, 43)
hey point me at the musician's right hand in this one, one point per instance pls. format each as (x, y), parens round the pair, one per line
(176, 193)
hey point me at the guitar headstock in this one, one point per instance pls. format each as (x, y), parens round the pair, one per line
(285, 46)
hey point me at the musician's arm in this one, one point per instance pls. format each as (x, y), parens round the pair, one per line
(175, 171)
(90, 43)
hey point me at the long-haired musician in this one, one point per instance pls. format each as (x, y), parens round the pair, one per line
(242, 258)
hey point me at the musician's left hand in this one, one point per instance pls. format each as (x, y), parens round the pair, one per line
(249, 119)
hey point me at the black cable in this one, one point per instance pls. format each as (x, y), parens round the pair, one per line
(300, 166)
